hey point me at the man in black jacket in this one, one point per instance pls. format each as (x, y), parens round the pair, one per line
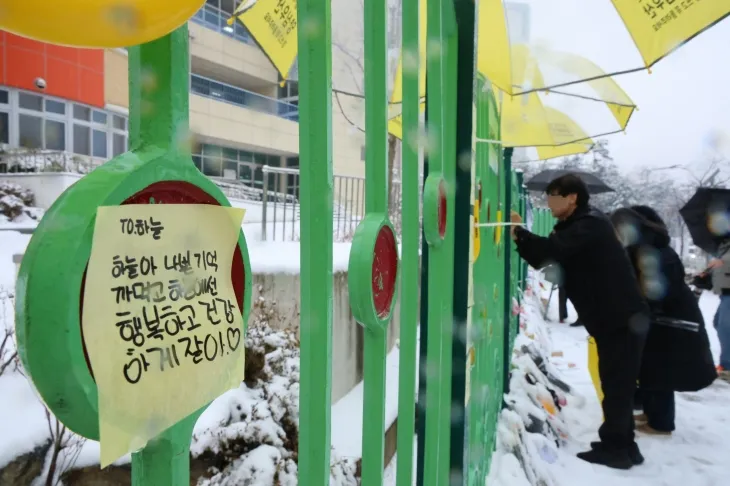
(600, 282)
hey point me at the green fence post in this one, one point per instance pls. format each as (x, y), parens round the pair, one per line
(158, 169)
(465, 19)
(315, 152)
(438, 225)
(507, 309)
(373, 268)
(521, 209)
(410, 235)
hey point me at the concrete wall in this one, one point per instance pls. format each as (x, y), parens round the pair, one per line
(281, 293)
(46, 186)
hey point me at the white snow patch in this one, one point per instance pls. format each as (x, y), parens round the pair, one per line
(695, 454)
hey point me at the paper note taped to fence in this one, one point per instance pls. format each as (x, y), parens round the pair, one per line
(160, 321)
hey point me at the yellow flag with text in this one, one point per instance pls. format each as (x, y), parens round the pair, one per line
(273, 25)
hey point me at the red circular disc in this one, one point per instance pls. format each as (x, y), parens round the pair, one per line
(442, 209)
(174, 192)
(385, 270)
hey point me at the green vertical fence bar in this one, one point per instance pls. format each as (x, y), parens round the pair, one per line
(516, 261)
(507, 282)
(315, 152)
(410, 235)
(439, 187)
(465, 49)
(376, 201)
(520, 209)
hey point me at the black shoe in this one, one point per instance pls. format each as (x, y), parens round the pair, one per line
(635, 455)
(577, 324)
(615, 459)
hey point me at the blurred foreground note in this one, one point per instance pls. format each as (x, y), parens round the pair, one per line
(160, 320)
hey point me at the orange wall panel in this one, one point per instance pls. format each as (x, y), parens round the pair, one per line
(23, 66)
(91, 87)
(70, 73)
(60, 75)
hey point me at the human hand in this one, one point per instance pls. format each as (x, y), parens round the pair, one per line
(516, 219)
(714, 263)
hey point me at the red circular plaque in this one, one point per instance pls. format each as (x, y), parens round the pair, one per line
(384, 271)
(442, 209)
(175, 192)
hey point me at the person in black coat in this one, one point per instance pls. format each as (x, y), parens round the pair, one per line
(675, 359)
(599, 280)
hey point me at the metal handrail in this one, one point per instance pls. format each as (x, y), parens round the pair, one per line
(217, 90)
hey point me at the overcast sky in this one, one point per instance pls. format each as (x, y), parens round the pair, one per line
(683, 104)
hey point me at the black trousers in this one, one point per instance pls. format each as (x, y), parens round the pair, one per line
(619, 362)
(659, 408)
(562, 304)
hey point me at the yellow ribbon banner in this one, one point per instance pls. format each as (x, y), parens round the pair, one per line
(160, 321)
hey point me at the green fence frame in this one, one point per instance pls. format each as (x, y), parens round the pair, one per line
(466, 316)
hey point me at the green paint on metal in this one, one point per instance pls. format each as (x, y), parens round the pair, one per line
(486, 347)
(316, 199)
(465, 13)
(441, 79)
(410, 234)
(49, 286)
(373, 265)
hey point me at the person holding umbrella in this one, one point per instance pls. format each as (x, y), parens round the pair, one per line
(707, 216)
(599, 279)
(717, 279)
(677, 356)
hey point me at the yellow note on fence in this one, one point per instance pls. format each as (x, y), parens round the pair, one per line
(160, 321)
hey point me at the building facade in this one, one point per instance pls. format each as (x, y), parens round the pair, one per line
(76, 101)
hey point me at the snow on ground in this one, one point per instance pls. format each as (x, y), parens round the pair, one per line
(696, 454)
(347, 412)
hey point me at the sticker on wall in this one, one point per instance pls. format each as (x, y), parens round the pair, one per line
(477, 239)
(498, 229)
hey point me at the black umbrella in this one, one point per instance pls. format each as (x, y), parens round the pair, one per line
(544, 178)
(707, 216)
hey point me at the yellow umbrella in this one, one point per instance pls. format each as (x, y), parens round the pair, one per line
(530, 125)
(523, 46)
(98, 23)
(494, 49)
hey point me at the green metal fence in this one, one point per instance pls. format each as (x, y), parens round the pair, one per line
(468, 273)
(461, 257)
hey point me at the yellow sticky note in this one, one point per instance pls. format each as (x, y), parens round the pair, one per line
(161, 324)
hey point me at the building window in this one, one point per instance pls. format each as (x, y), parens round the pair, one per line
(55, 135)
(234, 164)
(30, 102)
(4, 116)
(30, 129)
(82, 140)
(35, 121)
(119, 144)
(99, 144)
(4, 127)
